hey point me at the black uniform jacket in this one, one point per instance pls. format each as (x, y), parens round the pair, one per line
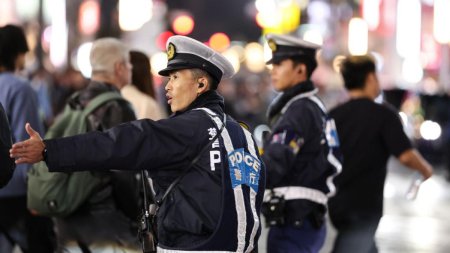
(201, 212)
(296, 152)
(7, 164)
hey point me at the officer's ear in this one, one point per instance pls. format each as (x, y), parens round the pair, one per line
(301, 68)
(202, 85)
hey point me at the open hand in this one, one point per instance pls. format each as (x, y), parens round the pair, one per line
(28, 151)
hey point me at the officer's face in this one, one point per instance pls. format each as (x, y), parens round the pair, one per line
(285, 75)
(181, 90)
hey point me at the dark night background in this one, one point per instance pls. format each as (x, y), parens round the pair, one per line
(227, 16)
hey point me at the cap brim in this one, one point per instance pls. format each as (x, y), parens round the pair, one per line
(276, 59)
(169, 69)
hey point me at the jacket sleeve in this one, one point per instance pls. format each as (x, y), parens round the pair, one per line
(144, 144)
(7, 164)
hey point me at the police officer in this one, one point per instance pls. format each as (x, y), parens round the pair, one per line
(215, 204)
(296, 151)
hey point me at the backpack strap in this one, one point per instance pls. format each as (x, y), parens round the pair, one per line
(101, 99)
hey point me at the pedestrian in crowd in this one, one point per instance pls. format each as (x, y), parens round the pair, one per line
(203, 161)
(17, 225)
(296, 151)
(140, 92)
(370, 132)
(100, 224)
(7, 164)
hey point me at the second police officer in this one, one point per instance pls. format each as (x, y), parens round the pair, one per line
(215, 205)
(298, 155)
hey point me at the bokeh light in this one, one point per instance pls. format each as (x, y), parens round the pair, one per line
(83, 62)
(430, 130)
(133, 14)
(162, 38)
(158, 62)
(183, 24)
(358, 36)
(89, 17)
(254, 57)
(233, 56)
(219, 41)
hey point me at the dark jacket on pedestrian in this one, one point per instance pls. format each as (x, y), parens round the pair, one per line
(100, 220)
(7, 164)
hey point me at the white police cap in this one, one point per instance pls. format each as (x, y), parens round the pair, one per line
(286, 46)
(186, 53)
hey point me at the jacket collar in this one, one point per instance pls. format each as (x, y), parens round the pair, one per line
(279, 102)
(81, 98)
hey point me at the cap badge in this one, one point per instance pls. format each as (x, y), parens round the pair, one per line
(171, 51)
(272, 45)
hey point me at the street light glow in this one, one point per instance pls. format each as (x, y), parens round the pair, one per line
(254, 55)
(430, 130)
(83, 62)
(133, 14)
(371, 13)
(59, 37)
(158, 62)
(408, 28)
(183, 24)
(358, 36)
(441, 21)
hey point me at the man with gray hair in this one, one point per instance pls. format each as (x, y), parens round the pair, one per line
(99, 224)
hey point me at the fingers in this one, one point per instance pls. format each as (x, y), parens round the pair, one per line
(27, 158)
(21, 160)
(17, 149)
(29, 151)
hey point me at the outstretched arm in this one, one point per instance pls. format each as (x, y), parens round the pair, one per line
(412, 159)
(28, 151)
